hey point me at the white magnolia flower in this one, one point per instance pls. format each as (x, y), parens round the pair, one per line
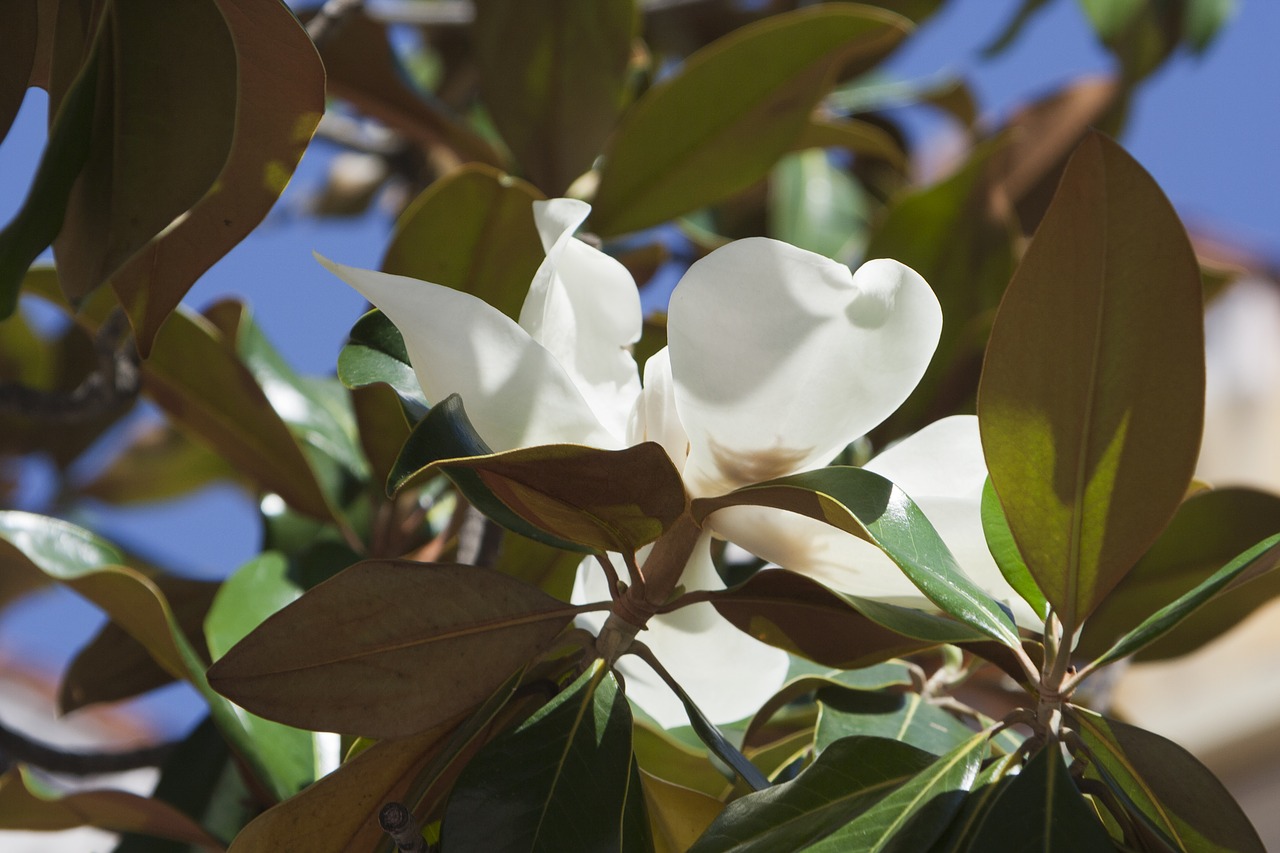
(778, 358)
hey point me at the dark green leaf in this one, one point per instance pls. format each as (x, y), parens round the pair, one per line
(1089, 456)
(912, 817)
(1005, 551)
(1041, 810)
(896, 715)
(846, 781)
(375, 354)
(737, 112)
(421, 645)
(1167, 786)
(472, 230)
(532, 788)
(552, 78)
(1259, 559)
(870, 507)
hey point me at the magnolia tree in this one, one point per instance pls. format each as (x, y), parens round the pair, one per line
(540, 572)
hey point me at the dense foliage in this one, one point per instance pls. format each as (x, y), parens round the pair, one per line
(821, 557)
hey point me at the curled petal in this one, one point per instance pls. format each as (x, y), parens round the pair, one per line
(781, 357)
(727, 673)
(515, 392)
(655, 417)
(584, 308)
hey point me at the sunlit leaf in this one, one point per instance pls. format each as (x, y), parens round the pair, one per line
(868, 506)
(530, 788)
(375, 355)
(278, 99)
(855, 136)
(552, 76)
(1261, 558)
(915, 815)
(1005, 551)
(420, 645)
(1041, 810)
(1209, 530)
(23, 805)
(472, 231)
(677, 815)
(800, 683)
(1089, 456)
(846, 781)
(1167, 785)
(903, 716)
(737, 113)
(815, 205)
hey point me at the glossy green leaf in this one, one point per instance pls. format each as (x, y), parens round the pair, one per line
(897, 715)
(158, 142)
(1166, 785)
(678, 756)
(552, 77)
(805, 678)
(677, 815)
(990, 782)
(446, 433)
(472, 230)
(846, 781)
(796, 613)
(868, 506)
(948, 234)
(114, 666)
(279, 93)
(195, 374)
(1005, 551)
(421, 644)
(915, 815)
(815, 205)
(1261, 558)
(24, 805)
(737, 113)
(375, 354)
(531, 787)
(1089, 456)
(257, 590)
(1041, 810)
(1210, 529)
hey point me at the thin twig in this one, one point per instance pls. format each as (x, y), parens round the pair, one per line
(15, 746)
(329, 18)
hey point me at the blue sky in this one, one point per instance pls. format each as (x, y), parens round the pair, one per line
(1207, 128)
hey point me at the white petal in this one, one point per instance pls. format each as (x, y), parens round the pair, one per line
(944, 460)
(584, 307)
(782, 357)
(515, 392)
(727, 673)
(655, 417)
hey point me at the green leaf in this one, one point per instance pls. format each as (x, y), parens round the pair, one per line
(1089, 456)
(24, 805)
(1005, 551)
(796, 613)
(1041, 810)
(805, 678)
(1210, 529)
(1110, 18)
(16, 63)
(985, 790)
(1203, 19)
(552, 77)
(912, 817)
(870, 507)
(375, 354)
(896, 715)
(948, 234)
(740, 103)
(1164, 784)
(1261, 558)
(855, 136)
(531, 787)
(279, 93)
(472, 230)
(158, 142)
(37, 223)
(677, 815)
(159, 463)
(846, 781)
(420, 645)
(817, 206)
(195, 374)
